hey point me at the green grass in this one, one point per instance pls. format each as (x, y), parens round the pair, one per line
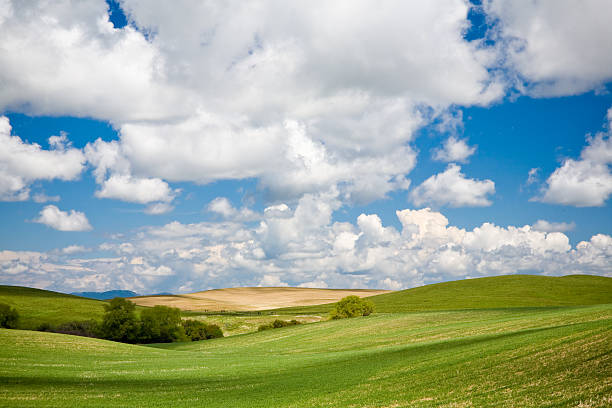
(514, 341)
(233, 324)
(529, 357)
(37, 306)
(488, 293)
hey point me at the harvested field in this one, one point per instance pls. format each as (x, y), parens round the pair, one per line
(243, 299)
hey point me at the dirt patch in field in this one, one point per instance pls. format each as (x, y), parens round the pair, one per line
(243, 299)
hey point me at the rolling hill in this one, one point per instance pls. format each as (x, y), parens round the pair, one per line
(500, 358)
(510, 291)
(36, 306)
(249, 299)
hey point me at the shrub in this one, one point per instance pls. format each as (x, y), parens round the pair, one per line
(85, 328)
(45, 327)
(161, 324)
(8, 316)
(213, 331)
(352, 306)
(119, 322)
(196, 330)
(277, 324)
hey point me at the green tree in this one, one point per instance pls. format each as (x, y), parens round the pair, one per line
(197, 330)
(119, 322)
(352, 306)
(161, 324)
(8, 316)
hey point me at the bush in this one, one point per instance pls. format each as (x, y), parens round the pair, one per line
(352, 306)
(85, 328)
(161, 324)
(213, 331)
(119, 322)
(277, 324)
(8, 316)
(196, 330)
(45, 327)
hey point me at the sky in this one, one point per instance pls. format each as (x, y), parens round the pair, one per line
(180, 146)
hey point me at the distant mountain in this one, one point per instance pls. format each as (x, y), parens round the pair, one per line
(110, 294)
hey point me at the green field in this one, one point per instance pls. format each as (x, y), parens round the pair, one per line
(541, 355)
(37, 306)
(529, 358)
(488, 293)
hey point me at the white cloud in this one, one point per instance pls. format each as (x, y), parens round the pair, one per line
(73, 249)
(62, 58)
(271, 280)
(558, 47)
(390, 284)
(314, 284)
(586, 182)
(136, 190)
(454, 150)
(311, 250)
(60, 220)
(230, 91)
(22, 163)
(532, 176)
(43, 198)
(158, 208)
(452, 188)
(546, 226)
(223, 207)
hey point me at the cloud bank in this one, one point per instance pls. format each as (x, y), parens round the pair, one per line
(303, 246)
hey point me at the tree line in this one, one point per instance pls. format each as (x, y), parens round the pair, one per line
(158, 324)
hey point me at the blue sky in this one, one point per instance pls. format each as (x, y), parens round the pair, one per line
(174, 147)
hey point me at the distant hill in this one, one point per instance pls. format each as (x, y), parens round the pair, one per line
(109, 294)
(490, 293)
(36, 306)
(243, 299)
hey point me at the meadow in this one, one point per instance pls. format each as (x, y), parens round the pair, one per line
(488, 293)
(37, 306)
(529, 356)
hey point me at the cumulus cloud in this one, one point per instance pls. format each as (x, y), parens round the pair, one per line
(60, 220)
(454, 150)
(113, 173)
(546, 226)
(22, 163)
(307, 248)
(224, 208)
(271, 280)
(230, 91)
(62, 58)
(136, 190)
(586, 182)
(73, 249)
(452, 188)
(276, 91)
(552, 47)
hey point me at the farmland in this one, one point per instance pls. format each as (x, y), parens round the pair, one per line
(252, 299)
(534, 356)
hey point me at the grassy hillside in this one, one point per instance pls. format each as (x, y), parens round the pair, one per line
(492, 292)
(504, 358)
(36, 306)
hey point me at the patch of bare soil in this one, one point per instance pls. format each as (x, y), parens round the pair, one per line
(245, 299)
